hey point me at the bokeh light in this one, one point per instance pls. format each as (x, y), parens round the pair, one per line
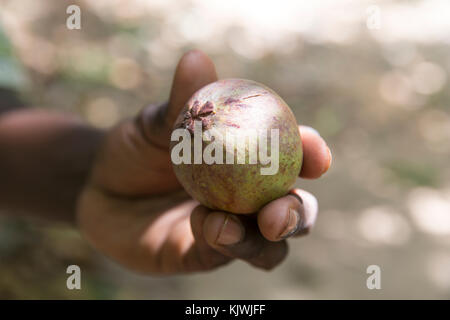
(380, 97)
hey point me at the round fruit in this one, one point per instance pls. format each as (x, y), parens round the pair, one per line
(239, 146)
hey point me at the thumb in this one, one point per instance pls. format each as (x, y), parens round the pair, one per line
(135, 159)
(194, 70)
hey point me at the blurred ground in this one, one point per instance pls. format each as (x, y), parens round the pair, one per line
(377, 90)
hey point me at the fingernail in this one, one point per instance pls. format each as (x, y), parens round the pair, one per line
(311, 129)
(330, 160)
(293, 192)
(292, 224)
(231, 232)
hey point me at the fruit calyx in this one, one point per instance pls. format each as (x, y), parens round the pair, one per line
(198, 113)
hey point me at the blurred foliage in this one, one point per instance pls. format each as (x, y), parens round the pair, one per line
(11, 74)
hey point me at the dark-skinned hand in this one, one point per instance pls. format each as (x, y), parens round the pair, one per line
(134, 210)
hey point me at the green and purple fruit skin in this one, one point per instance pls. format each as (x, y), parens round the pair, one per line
(235, 105)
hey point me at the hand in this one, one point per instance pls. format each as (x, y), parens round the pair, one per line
(134, 210)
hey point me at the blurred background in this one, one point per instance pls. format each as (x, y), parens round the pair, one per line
(371, 76)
